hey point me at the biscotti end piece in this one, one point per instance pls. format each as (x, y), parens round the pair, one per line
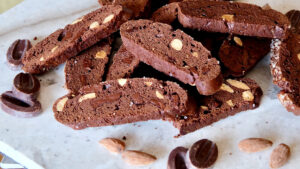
(235, 95)
(121, 101)
(233, 17)
(75, 37)
(173, 53)
(88, 67)
(166, 14)
(122, 65)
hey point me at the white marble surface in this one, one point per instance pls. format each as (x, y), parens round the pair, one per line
(55, 146)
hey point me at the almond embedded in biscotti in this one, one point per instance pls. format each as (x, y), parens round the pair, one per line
(76, 21)
(252, 145)
(61, 104)
(298, 55)
(279, 156)
(238, 41)
(42, 59)
(195, 54)
(94, 25)
(176, 44)
(230, 103)
(227, 88)
(101, 54)
(238, 84)
(227, 17)
(137, 158)
(113, 145)
(148, 83)
(122, 82)
(204, 107)
(159, 95)
(53, 49)
(108, 18)
(248, 96)
(87, 96)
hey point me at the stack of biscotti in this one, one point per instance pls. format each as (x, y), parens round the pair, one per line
(170, 65)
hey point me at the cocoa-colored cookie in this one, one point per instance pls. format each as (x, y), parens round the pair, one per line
(122, 65)
(138, 7)
(239, 54)
(173, 53)
(234, 96)
(121, 101)
(285, 68)
(17, 51)
(166, 14)
(81, 34)
(233, 17)
(88, 67)
(294, 17)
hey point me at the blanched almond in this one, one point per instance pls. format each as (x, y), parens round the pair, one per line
(137, 158)
(113, 145)
(279, 156)
(252, 145)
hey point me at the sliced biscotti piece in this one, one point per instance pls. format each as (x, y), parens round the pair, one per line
(285, 68)
(75, 37)
(122, 65)
(88, 67)
(121, 101)
(235, 96)
(166, 14)
(294, 17)
(173, 53)
(233, 17)
(239, 54)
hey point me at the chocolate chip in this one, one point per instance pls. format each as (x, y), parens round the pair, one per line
(19, 108)
(202, 154)
(17, 51)
(177, 158)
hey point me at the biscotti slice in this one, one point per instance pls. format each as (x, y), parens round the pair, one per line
(173, 53)
(294, 17)
(166, 14)
(285, 68)
(121, 101)
(239, 54)
(235, 96)
(122, 65)
(75, 37)
(233, 17)
(88, 67)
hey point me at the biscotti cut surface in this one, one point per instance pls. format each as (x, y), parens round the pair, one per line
(233, 17)
(235, 96)
(173, 53)
(123, 64)
(75, 37)
(88, 67)
(121, 101)
(166, 14)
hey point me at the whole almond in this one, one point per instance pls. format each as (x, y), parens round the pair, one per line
(113, 145)
(137, 158)
(279, 156)
(251, 145)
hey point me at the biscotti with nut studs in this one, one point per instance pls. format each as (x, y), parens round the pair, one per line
(233, 17)
(75, 37)
(285, 68)
(88, 67)
(121, 101)
(123, 65)
(235, 95)
(172, 52)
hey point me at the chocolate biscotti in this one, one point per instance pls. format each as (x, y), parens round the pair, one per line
(173, 53)
(233, 17)
(239, 54)
(81, 34)
(166, 14)
(285, 68)
(235, 96)
(122, 65)
(88, 67)
(121, 101)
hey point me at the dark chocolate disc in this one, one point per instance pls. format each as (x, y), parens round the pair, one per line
(177, 158)
(26, 83)
(17, 51)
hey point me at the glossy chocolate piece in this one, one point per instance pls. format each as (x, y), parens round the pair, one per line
(17, 51)
(177, 158)
(26, 86)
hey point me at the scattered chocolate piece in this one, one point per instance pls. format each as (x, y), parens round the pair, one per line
(19, 108)
(17, 51)
(294, 17)
(26, 86)
(35, 38)
(202, 154)
(177, 158)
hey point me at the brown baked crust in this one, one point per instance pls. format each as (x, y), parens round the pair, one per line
(290, 101)
(121, 101)
(233, 17)
(123, 64)
(81, 34)
(220, 105)
(294, 17)
(191, 63)
(88, 67)
(239, 54)
(166, 14)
